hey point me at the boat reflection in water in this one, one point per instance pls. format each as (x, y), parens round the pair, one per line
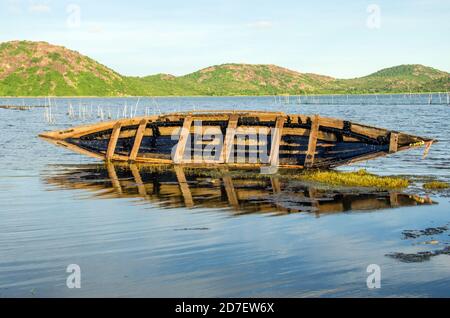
(240, 192)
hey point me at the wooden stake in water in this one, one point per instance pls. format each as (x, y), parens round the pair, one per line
(135, 109)
(125, 110)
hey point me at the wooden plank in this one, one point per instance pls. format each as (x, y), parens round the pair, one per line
(138, 139)
(228, 142)
(327, 121)
(368, 131)
(314, 201)
(74, 148)
(393, 197)
(312, 145)
(276, 185)
(95, 128)
(233, 199)
(184, 187)
(138, 180)
(428, 145)
(393, 145)
(184, 137)
(113, 177)
(113, 141)
(274, 157)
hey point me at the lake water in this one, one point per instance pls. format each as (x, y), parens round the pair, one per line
(138, 232)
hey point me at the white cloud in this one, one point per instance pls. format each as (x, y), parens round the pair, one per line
(263, 24)
(39, 7)
(95, 29)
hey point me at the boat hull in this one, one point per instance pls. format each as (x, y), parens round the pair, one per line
(235, 139)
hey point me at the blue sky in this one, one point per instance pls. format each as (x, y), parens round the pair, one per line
(337, 38)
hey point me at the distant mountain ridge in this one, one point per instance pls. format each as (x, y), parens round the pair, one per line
(41, 69)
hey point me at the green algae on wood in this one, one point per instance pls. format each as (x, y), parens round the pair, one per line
(360, 178)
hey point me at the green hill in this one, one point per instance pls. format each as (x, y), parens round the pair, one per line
(38, 68)
(41, 69)
(242, 79)
(403, 78)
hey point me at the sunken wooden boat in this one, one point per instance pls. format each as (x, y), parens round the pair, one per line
(235, 138)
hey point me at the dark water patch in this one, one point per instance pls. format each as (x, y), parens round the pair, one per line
(420, 256)
(414, 234)
(194, 229)
(436, 237)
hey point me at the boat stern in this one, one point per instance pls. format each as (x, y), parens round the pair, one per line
(402, 141)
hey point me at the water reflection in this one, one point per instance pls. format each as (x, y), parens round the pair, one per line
(240, 192)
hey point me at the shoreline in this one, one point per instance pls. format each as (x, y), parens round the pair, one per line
(219, 96)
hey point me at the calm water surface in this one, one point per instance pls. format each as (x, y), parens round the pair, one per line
(137, 232)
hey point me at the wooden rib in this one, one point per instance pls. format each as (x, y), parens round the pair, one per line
(312, 145)
(393, 145)
(184, 186)
(184, 137)
(393, 198)
(138, 139)
(276, 185)
(231, 192)
(228, 143)
(138, 180)
(113, 141)
(274, 157)
(113, 177)
(314, 202)
(427, 148)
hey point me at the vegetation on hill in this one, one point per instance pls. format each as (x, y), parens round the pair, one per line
(37, 68)
(398, 79)
(41, 69)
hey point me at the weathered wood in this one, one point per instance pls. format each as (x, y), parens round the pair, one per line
(184, 137)
(274, 157)
(371, 132)
(276, 185)
(184, 187)
(113, 177)
(75, 148)
(393, 198)
(94, 128)
(427, 149)
(233, 199)
(290, 147)
(113, 141)
(228, 142)
(138, 139)
(312, 145)
(138, 180)
(393, 144)
(312, 192)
